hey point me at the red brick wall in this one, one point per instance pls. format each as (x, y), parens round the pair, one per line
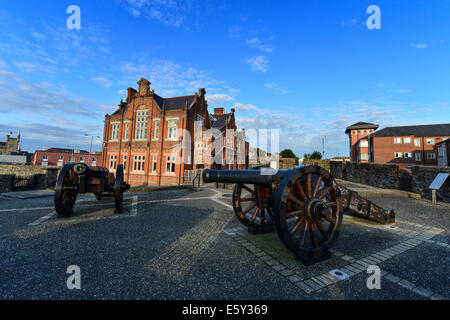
(354, 137)
(385, 148)
(52, 157)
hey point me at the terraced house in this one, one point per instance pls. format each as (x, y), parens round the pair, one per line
(160, 140)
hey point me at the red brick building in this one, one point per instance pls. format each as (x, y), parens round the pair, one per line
(159, 139)
(60, 156)
(358, 135)
(405, 145)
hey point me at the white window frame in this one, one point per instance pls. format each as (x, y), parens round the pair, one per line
(139, 163)
(156, 130)
(397, 140)
(364, 156)
(363, 143)
(115, 131)
(45, 157)
(417, 156)
(170, 164)
(417, 142)
(172, 129)
(430, 141)
(124, 162)
(81, 159)
(408, 155)
(127, 129)
(154, 163)
(406, 140)
(141, 125)
(112, 161)
(398, 153)
(431, 156)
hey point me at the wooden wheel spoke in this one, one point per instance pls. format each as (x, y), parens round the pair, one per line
(331, 204)
(308, 185)
(294, 214)
(299, 189)
(248, 189)
(312, 235)
(297, 225)
(295, 200)
(322, 230)
(330, 219)
(269, 211)
(248, 209)
(324, 193)
(255, 214)
(317, 185)
(247, 199)
(303, 234)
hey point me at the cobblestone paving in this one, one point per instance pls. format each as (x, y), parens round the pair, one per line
(178, 244)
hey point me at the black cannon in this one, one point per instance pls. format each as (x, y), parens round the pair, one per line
(305, 205)
(77, 178)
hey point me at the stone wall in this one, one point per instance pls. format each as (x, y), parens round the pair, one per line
(323, 163)
(45, 176)
(389, 176)
(6, 181)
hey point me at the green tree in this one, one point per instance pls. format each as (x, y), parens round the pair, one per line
(288, 153)
(316, 155)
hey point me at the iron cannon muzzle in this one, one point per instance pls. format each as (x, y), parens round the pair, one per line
(264, 176)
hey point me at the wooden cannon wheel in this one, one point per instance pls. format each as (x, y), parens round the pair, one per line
(66, 191)
(308, 213)
(118, 189)
(252, 206)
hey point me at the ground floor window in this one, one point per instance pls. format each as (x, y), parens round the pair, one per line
(170, 164)
(431, 155)
(124, 163)
(139, 163)
(154, 164)
(112, 162)
(398, 155)
(417, 156)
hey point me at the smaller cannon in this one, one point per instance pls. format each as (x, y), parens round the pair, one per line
(305, 205)
(77, 178)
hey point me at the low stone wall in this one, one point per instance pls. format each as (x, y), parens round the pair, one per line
(45, 176)
(6, 181)
(323, 163)
(388, 176)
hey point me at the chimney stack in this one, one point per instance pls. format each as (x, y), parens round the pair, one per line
(219, 111)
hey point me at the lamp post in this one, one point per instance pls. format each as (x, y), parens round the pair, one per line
(90, 148)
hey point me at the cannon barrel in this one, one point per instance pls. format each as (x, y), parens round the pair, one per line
(97, 172)
(264, 176)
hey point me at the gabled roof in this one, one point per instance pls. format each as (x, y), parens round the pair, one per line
(179, 103)
(219, 121)
(361, 125)
(172, 103)
(426, 130)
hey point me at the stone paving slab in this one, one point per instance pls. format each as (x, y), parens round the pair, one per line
(32, 194)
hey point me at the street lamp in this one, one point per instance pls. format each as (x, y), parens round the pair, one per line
(90, 148)
(73, 151)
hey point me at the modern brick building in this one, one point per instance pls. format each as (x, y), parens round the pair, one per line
(404, 145)
(158, 140)
(359, 134)
(60, 156)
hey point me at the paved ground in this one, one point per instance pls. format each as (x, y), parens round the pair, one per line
(179, 244)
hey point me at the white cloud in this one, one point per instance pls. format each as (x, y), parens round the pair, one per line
(349, 22)
(256, 43)
(170, 12)
(102, 81)
(402, 90)
(258, 63)
(274, 87)
(420, 45)
(214, 99)
(244, 107)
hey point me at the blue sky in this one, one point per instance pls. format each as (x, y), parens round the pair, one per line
(308, 68)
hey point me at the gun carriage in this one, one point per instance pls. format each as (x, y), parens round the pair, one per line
(75, 178)
(305, 205)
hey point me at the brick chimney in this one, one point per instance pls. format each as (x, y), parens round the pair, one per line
(219, 111)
